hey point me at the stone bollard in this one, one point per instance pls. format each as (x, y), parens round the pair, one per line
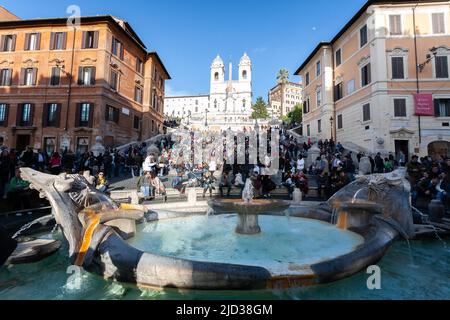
(192, 196)
(297, 196)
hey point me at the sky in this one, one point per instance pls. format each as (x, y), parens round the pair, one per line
(188, 34)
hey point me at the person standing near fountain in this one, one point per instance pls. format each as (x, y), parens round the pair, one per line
(144, 184)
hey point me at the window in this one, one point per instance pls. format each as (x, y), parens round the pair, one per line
(85, 113)
(438, 21)
(32, 41)
(153, 126)
(114, 80)
(5, 77)
(138, 94)
(350, 86)
(139, 66)
(366, 77)
(112, 114)
(82, 145)
(307, 78)
(338, 57)
(216, 76)
(244, 103)
(136, 122)
(8, 43)
(86, 76)
(340, 123)
(442, 107)
(441, 63)
(244, 74)
(399, 108)
(318, 68)
(154, 99)
(395, 25)
(55, 79)
(4, 114)
(319, 126)
(319, 97)
(366, 112)
(25, 115)
(28, 76)
(397, 68)
(308, 130)
(117, 48)
(90, 40)
(215, 104)
(51, 115)
(58, 41)
(338, 92)
(363, 36)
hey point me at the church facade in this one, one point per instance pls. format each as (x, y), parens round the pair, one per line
(228, 105)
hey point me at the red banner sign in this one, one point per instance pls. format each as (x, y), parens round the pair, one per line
(424, 104)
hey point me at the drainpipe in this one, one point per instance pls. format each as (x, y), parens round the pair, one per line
(70, 75)
(417, 69)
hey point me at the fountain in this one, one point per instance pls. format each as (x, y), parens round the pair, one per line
(188, 251)
(248, 209)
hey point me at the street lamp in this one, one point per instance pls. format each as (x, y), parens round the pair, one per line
(189, 116)
(206, 119)
(331, 126)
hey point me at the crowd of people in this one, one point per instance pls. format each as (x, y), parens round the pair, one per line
(332, 170)
(430, 179)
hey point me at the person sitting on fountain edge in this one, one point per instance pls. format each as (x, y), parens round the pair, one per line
(144, 184)
(101, 183)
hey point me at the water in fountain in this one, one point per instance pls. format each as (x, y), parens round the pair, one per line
(425, 222)
(30, 224)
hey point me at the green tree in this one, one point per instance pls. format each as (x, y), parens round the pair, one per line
(283, 80)
(295, 116)
(260, 109)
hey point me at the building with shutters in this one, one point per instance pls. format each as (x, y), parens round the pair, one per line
(360, 87)
(62, 86)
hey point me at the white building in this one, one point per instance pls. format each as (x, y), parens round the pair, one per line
(228, 105)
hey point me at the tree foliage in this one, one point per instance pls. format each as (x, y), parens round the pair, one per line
(260, 109)
(295, 116)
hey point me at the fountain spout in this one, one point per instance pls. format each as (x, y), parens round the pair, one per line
(247, 193)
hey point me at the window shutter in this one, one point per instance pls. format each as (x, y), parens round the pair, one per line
(13, 46)
(22, 76)
(45, 114)
(116, 115)
(9, 73)
(121, 51)
(2, 43)
(93, 76)
(38, 41)
(84, 40)
(52, 41)
(96, 39)
(64, 40)
(27, 42)
(31, 122)
(80, 76)
(58, 115)
(91, 115)
(19, 114)
(77, 115)
(5, 122)
(35, 76)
